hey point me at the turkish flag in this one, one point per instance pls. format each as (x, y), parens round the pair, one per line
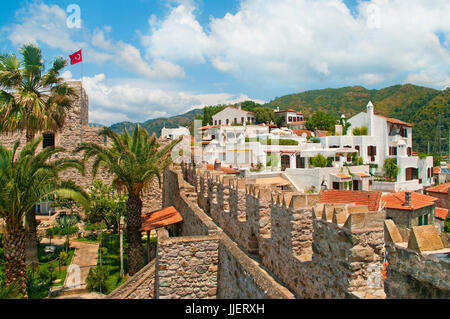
(76, 57)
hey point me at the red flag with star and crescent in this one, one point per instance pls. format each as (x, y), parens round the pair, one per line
(76, 57)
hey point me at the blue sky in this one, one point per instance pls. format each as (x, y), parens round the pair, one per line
(150, 58)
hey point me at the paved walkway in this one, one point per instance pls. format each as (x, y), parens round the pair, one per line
(85, 257)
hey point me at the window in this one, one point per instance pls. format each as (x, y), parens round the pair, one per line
(300, 161)
(371, 150)
(220, 122)
(228, 121)
(285, 162)
(357, 149)
(392, 150)
(235, 120)
(420, 222)
(409, 151)
(425, 222)
(403, 132)
(242, 120)
(335, 185)
(48, 140)
(290, 118)
(215, 122)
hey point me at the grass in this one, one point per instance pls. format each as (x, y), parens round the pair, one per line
(110, 258)
(40, 280)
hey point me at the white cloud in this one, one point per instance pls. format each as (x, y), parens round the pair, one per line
(289, 41)
(138, 101)
(40, 23)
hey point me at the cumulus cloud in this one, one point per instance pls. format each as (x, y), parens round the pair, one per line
(313, 40)
(46, 24)
(138, 101)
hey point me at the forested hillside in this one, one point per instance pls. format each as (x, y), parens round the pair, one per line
(421, 106)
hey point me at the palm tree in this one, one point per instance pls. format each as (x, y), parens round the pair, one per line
(32, 101)
(25, 179)
(134, 160)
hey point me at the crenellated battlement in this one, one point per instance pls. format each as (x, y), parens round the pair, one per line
(319, 250)
(294, 236)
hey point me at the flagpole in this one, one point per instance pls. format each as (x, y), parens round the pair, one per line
(82, 102)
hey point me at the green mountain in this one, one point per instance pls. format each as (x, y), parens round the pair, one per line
(418, 105)
(155, 125)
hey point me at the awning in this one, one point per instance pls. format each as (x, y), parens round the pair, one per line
(160, 218)
(274, 181)
(360, 176)
(341, 177)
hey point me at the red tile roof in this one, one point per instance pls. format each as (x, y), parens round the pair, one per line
(395, 121)
(297, 122)
(396, 201)
(441, 188)
(288, 151)
(437, 169)
(344, 176)
(160, 218)
(362, 174)
(301, 132)
(288, 110)
(333, 196)
(441, 213)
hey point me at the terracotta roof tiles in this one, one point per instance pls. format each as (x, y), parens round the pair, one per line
(333, 196)
(397, 200)
(160, 218)
(441, 213)
(441, 188)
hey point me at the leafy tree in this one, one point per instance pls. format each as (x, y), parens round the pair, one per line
(391, 168)
(96, 279)
(209, 112)
(106, 205)
(32, 100)
(135, 160)
(318, 161)
(264, 115)
(321, 121)
(25, 179)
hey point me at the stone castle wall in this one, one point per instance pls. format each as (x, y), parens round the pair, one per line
(416, 276)
(76, 130)
(313, 257)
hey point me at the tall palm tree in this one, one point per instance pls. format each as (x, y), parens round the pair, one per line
(25, 179)
(32, 100)
(134, 160)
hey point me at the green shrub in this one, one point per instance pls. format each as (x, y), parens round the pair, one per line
(314, 140)
(64, 258)
(318, 161)
(330, 161)
(61, 231)
(356, 131)
(391, 168)
(96, 279)
(364, 130)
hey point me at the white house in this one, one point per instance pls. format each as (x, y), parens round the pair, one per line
(386, 138)
(290, 118)
(174, 133)
(233, 115)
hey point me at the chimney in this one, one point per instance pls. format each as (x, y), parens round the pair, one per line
(407, 199)
(217, 165)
